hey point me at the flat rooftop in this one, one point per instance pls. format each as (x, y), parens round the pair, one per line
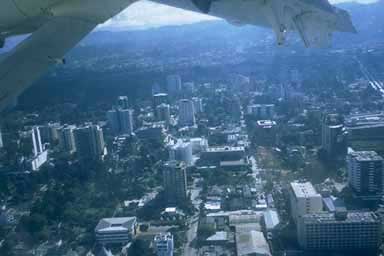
(366, 156)
(225, 149)
(304, 190)
(352, 217)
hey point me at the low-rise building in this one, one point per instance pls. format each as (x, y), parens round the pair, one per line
(116, 230)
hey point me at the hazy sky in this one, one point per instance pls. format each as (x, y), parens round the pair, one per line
(146, 14)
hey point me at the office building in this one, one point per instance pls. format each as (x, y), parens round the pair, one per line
(261, 111)
(121, 120)
(116, 230)
(355, 232)
(123, 102)
(304, 200)
(173, 84)
(158, 99)
(163, 244)
(188, 88)
(175, 182)
(333, 136)
(365, 132)
(153, 131)
(198, 105)
(90, 141)
(366, 174)
(186, 113)
(181, 151)
(67, 139)
(215, 155)
(163, 113)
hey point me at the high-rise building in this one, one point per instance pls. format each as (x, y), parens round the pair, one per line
(175, 182)
(33, 148)
(121, 120)
(365, 132)
(173, 84)
(67, 139)
(122, 102)
(181, 151)
(163, 113)
(357, 232)
(90, 141)
(366, 174)
(261, 111)
(333, 139)
(50, 132)
(163, 244)
(198, 104)
(158, 99)
(186, 113)
(304, 200)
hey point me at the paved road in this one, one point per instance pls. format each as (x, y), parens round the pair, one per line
(189, 249)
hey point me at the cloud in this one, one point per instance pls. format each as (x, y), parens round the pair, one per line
(146, 14)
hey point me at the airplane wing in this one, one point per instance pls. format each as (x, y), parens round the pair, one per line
(46, 46)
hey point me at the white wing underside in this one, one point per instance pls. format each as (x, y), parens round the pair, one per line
(46, 46)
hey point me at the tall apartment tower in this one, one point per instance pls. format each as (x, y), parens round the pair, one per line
(173, 84)
(67, 139)
(121, 120)
(366, 174)
(304, 200)
(163, 113)
(333, 139)
(198, 104)
(90, 141)
(175, 182)
(163, 244)
(186, 113)
(123, 102)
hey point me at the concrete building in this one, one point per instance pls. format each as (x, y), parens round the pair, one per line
(198, 105)
(116, 230)
(251, 243)
(357, 232)
(215, 155)
(175, 182)
(158, 99)
(333, 136)
(173, 84)
(121, 121)
(123, 102)
(186, 113)
(181, 151)
(36, 154)
(163, 113)
(163, 244)
(90, 141)
(262, 111)
(366, 174)
(304, 200)
(365, 132)
(50, 132)
(67, 139)
(199, 145)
